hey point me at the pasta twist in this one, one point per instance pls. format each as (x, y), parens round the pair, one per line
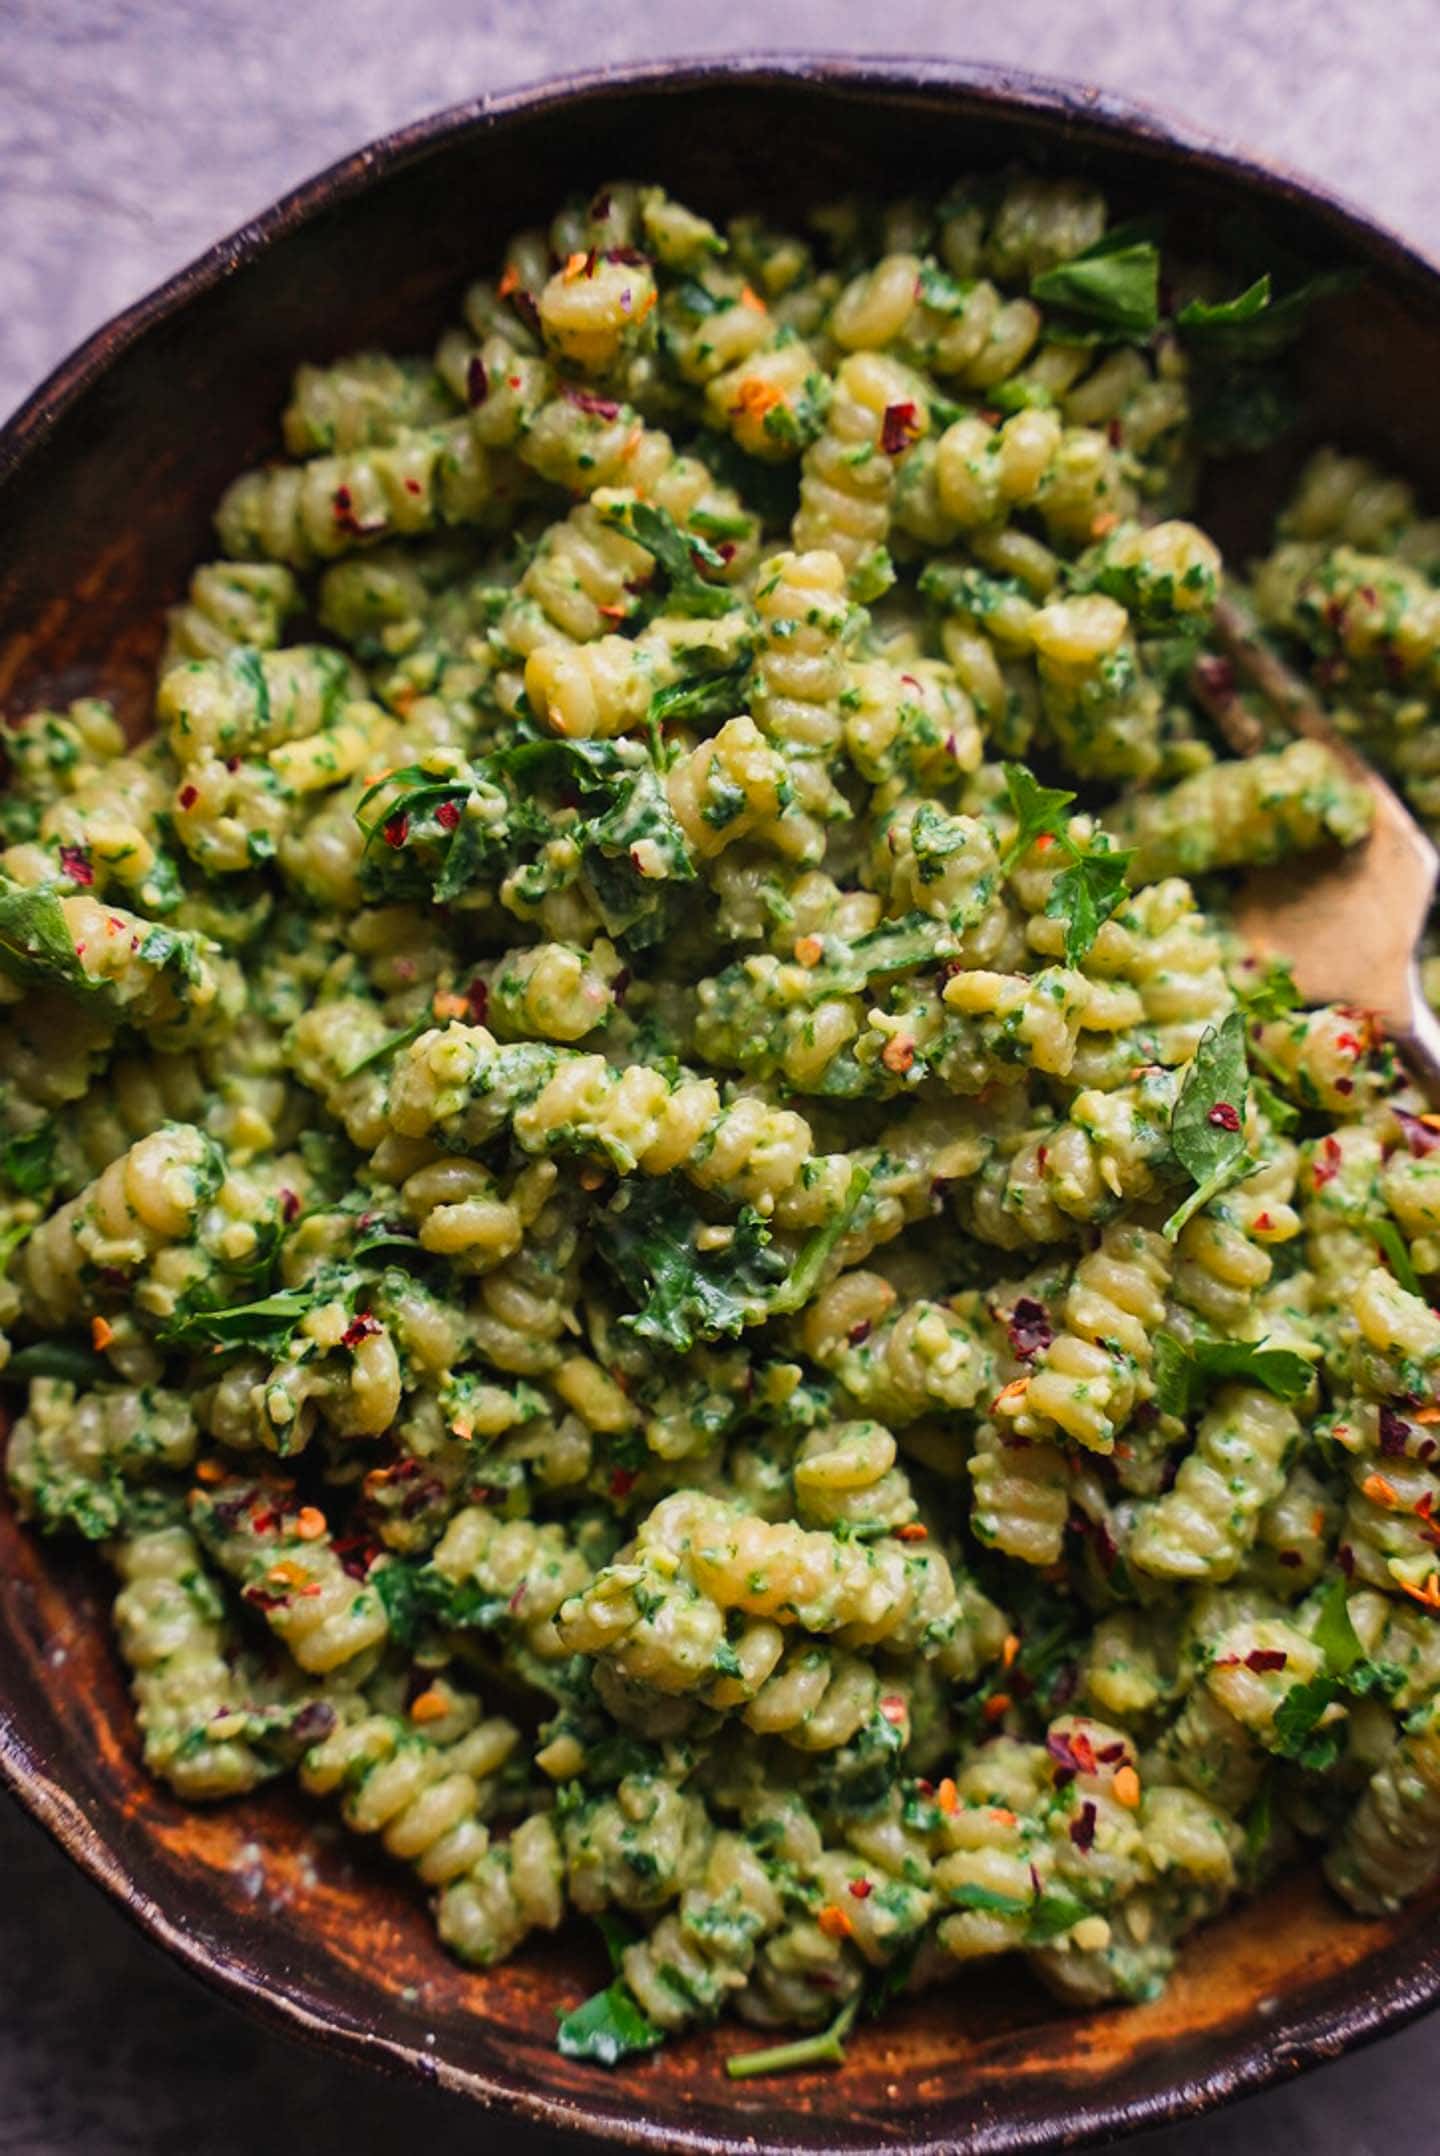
(102, 1243)
(1389, 1848)
(878, 408)
(70, 1455)
(1202, 1528)
(284, 1562)
(1088, 1381)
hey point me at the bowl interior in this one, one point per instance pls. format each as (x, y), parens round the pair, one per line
(108, 480)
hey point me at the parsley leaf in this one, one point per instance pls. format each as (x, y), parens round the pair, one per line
(1113, 285)
(1183, 1374)
(1085, 894)
(266, 1324)
(1039, 811)
(607, 2028)
(1335, 1635)
(1207, 1126)
(937, 289)
(1256, 325)
(679, 555)
(35, 944)
(1298, 1734)
(1092, 883)
(823, 2049)
(1267, 991)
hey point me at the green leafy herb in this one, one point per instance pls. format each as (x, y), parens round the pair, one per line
(701, 696)
(680, 555)
(1091, 885)
(1207, 1127)
(978, 1897)
(266, 1324)
(1201, 315)
(414, 1594)
(28, 1162)
(825, 2049)
(804, 1276)
(650, 1239)
(65, 1359)
(1259, 1825)
(1279, 1113)
(1256, 325)
(1085, 894)
(609, 2027)
(1184, 1374)
(1392, 1244)
(1298, 1734)
(389, 1045)
(1113, 286)
(1335, 1635)
(35, 944)
(938, 290)
(1052, 1914)
(1268, 991)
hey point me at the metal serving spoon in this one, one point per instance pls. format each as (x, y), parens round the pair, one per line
(1350, 927)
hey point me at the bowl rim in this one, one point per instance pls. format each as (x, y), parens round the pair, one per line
(1291, 2040)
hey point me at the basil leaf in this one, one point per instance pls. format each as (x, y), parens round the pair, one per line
(1115, 284)
(1213, 1097)
(608, 2027)
(1255, 325)
(1184, 1374)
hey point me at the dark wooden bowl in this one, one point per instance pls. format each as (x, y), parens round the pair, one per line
(107, 479)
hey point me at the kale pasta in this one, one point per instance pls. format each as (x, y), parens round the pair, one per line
(651, 1209)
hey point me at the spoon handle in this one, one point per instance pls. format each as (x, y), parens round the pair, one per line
(1419, 1042)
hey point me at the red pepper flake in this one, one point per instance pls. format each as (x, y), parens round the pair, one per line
(527, 308)
(862, 1889)
(1029, 1328)
(477, 995)
(289, 1204)
(892, 1706)
(1325, 1169)
(619, 986)
(412, 486)
(861, 1332)
(1394, 1433)
(585, 400)
(396, 830)
(76, 864)
(1082, 1830)
(1114, 433)
(1350, 1044)
(622, 1481)
(477, 381)
(1072, 1755)
(1261, 1659)
(1345, 1559)
(1215, 676)
(912, 1531)
(1421, 1135)
(363, 1326)
(448, 815)
(1042, 1154)
(1263, 1223)
(630, 256)
(517, 1598)
(1345, 1085)
(261, 1600)
(1224, 1115)
(898, 429)
(1111, 1753)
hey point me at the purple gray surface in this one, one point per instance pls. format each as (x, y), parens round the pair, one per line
(131, 136)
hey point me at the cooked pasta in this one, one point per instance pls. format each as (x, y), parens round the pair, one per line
(577, 1122)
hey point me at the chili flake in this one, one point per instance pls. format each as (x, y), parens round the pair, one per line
(396, 829)
(1224, 1115)
(76, 862)
(431, 1705)
(899, 428)
(363, 1326)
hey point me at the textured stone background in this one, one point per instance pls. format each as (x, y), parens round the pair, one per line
(132, 134)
